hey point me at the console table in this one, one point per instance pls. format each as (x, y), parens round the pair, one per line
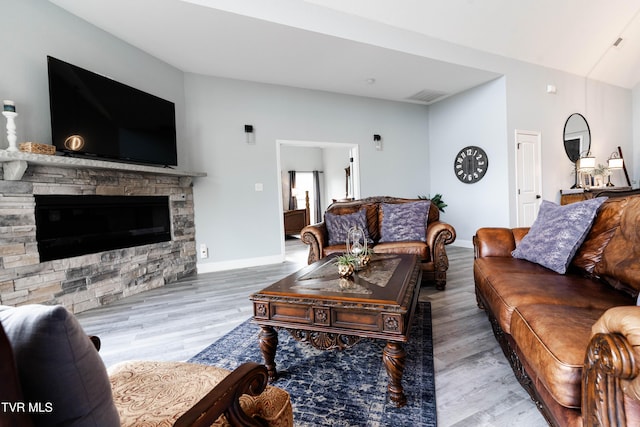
(579, 194)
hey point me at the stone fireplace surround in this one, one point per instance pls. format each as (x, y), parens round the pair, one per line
(83, 282)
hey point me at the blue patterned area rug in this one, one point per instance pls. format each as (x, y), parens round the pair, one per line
(341, 388)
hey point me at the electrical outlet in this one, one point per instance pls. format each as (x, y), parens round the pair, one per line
(204, 252)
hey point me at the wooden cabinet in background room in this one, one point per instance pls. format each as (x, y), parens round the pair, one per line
(296, 219)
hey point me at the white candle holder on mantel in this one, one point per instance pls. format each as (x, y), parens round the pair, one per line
(11, 130)
(9, 111)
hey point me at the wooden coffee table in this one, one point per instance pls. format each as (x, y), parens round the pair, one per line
(318, 307)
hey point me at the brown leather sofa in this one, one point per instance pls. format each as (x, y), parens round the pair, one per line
(432, 253)
(573, 339)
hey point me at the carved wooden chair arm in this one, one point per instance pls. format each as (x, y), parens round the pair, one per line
(439, 234)
(623, 320)
(314, 236)
(611, 367)
(250, 378)
(609, 362)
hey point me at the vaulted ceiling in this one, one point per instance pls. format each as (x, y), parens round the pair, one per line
(409, 50)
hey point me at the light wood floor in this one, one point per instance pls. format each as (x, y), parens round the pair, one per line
(474, 383)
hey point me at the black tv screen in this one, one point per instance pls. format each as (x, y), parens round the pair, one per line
(94, 116)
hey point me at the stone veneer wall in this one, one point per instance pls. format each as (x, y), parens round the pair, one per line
(88, 281)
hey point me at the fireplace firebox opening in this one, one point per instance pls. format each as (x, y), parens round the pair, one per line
(74, 225)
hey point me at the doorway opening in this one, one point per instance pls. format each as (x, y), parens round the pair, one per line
(338, 174)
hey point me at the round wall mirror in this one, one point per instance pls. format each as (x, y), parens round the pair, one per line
(576, 137)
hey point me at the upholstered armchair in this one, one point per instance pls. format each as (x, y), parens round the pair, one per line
(51, 374)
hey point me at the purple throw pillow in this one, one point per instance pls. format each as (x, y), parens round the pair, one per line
(557, 233)
(404, 221)
(339, 225)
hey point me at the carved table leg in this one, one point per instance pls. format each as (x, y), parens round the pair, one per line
(268, 345)
(394, 357)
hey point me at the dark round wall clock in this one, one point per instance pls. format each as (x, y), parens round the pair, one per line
(471, 164)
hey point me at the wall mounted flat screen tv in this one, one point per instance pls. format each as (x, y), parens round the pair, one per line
(94, 116)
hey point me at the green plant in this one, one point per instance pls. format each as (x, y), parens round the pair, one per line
(346, 265)
(602, 170)
(436, 200)
(346, 259)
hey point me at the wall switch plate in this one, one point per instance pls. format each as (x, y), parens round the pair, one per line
(259, 186)
(204, 252)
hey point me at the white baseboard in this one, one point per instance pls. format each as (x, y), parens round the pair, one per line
(210, 267)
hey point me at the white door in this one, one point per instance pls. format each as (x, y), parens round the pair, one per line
(528, 176)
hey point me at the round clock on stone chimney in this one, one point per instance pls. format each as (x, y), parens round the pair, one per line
(471, 164)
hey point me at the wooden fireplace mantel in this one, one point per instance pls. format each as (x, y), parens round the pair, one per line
(16, 163)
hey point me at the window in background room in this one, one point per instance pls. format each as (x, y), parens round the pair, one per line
(304, 182)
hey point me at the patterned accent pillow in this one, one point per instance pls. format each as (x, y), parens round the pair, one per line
(557, 233)
(403, 222)
(339, 225)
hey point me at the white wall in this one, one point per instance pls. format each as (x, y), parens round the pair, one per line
(34, 29)
(336, 160)
(241, 226)
(634, 170)
(301, 158)
(475, 117)
(608, 110)
(489, 115)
